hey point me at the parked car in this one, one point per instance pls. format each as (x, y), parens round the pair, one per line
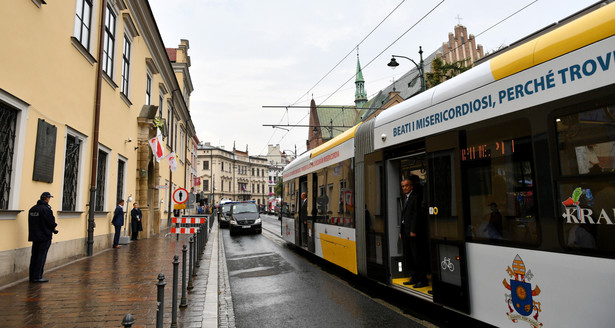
(223, 214)
(244, 217)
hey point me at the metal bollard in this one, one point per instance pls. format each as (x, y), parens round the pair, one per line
(203, 239)
(160, 310)
(190, 266)
(128, 321)
(205, 226)
(174, 304)
(183, 303)
(197, 250)
(195, 256)
(206, 232)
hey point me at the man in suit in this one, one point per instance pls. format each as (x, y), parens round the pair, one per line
(135, 221)
(303, 214)
(41, 225)
(118, 222)
(413, 232)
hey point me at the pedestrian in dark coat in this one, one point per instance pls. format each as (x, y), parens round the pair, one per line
(118, 222)
(41, 225)
(135, 221)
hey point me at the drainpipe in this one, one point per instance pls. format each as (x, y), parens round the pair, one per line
(189, 183)
(171, 172)
(91, 222)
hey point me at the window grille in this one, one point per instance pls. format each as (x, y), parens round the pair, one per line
(8, 124)
(120, 180)
(100, 181)
(71, 173)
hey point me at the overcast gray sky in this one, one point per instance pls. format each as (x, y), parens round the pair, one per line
(249, 54)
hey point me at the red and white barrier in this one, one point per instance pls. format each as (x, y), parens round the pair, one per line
(189, 220)
(189, 231)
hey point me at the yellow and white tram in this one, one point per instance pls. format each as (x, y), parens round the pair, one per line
(528, 137)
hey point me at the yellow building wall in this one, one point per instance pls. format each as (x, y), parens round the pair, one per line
(40, 65)
(45, 70)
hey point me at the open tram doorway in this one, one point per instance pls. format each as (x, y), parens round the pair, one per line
(402, 262)
(301, 227)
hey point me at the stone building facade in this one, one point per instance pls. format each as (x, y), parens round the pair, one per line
(231, 175)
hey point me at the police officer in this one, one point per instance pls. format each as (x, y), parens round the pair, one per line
(41, 224)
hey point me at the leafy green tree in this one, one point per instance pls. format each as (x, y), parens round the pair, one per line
(442, 71)
(278, 188)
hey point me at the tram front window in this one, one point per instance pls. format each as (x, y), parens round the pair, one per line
(586, 143)
(497, 163)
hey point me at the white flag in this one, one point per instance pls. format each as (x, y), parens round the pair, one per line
(172, 161)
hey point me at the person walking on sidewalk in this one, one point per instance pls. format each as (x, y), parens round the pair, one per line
(118, 222)
(135, 221)
(41, 225)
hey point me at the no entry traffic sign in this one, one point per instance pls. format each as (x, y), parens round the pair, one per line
(180, 195)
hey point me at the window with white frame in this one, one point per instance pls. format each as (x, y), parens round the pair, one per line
(126, 65)
(182, 145)
(148, 88)
(169, 121)
(175, 126)
(83, 22)
(109, 42)
(73, 167)
(160, 104)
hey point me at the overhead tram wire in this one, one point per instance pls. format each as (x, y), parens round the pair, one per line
(479, 34)
(483, 32)
(336, 65)
(509, 16)
(385, 49)
(274, 131)
(349, 53)
(389, 46)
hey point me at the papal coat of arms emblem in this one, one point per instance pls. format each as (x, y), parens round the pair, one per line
(521, 297)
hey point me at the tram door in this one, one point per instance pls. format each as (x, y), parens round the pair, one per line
(301, 225)
(447, 248)
(398, 169)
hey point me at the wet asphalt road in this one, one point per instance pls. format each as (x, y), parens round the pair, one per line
(274, 286)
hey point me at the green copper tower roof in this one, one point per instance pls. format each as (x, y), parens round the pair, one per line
(360, 96)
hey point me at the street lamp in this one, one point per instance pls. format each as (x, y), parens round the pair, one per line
(393, 63)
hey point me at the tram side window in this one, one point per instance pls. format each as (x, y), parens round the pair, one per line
(498, 165)
(290, 198)
(335, 199)
(586, 189)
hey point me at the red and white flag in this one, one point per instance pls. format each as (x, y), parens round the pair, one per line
(156, 145)
(172, 161)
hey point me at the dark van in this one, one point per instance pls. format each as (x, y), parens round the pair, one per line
(244, 217)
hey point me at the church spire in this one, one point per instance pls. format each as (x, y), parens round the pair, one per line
(360, 96)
